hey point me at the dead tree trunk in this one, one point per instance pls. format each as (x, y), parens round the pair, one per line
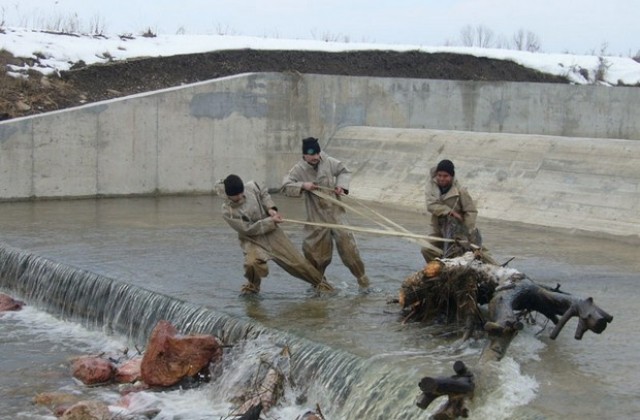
(511, 302)
(457, 388)
(458, 287)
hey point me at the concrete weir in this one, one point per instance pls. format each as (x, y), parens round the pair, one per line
(546, 154)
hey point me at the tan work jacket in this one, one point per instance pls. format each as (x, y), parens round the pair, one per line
(250, 217)
(456, 199)
(330, 173)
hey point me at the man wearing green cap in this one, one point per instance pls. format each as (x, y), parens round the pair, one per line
(319, 171)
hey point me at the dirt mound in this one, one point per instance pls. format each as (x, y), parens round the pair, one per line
(84, 84)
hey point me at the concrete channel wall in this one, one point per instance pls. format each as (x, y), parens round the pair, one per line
(182, 140)
(582, 184)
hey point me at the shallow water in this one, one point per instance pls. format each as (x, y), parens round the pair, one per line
(179, 246)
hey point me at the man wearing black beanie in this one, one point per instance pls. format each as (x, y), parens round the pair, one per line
(251, 212)
(233, 185)
(310, 146)
(319, 171)
(446, 165)
(453, 212)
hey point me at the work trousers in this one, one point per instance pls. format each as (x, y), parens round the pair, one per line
(278, 247)
(318, 249)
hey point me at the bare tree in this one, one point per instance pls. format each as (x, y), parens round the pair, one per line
(479, 36)
(526, 41)
(484, 36)
(467, 36)
(503, 42)
(519, 41)
(97, 25)
(450, 43)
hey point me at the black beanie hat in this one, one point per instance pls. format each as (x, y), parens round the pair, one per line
(233, 185)
(446, 166)
(310, 146)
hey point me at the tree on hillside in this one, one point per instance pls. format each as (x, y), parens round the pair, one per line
(478, 36)
(526, 41)
(483, 37)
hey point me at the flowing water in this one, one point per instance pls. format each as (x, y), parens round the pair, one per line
(98, 274)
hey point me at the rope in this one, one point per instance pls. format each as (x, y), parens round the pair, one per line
(423, 240)
(368, 230)
(345, 206)
(375, 213)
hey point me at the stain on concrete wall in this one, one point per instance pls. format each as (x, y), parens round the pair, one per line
(6, 131)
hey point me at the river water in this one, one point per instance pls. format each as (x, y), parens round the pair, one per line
(180, 247)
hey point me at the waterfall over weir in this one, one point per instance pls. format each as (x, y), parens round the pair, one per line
(351, 387)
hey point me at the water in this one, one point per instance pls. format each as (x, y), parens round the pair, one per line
(180, 248)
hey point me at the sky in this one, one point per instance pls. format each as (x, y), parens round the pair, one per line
(562, 26)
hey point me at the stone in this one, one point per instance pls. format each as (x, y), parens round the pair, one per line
(92, 370)
(170, 357)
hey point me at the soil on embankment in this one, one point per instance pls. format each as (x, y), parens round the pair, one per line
(85, 84)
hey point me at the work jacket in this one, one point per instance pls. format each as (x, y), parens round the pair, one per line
(456, 199)
(250, 217)
(329, 173)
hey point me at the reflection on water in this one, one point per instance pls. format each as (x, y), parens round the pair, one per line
(180, 246)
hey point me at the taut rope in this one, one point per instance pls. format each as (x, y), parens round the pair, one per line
(394, 230)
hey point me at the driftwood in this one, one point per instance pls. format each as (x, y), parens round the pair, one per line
(512, 302)
(457, 288)
(457, 388)
(252, 413)
(268, 388)
(488, 299)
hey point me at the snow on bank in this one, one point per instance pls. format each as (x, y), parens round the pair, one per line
(57, 52)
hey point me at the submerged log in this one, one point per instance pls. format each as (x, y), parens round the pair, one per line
(520, 296)
(458, 289)
(457, 388)
(252, 413)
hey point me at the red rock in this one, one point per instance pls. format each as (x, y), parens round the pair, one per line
(129, 371)
(7, 303)
(92, 370)
(169, 357)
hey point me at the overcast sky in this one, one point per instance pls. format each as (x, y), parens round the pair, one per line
(575, 26)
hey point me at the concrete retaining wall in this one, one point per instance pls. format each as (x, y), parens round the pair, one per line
(182, 140)
(172, 141)
(575, 183)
